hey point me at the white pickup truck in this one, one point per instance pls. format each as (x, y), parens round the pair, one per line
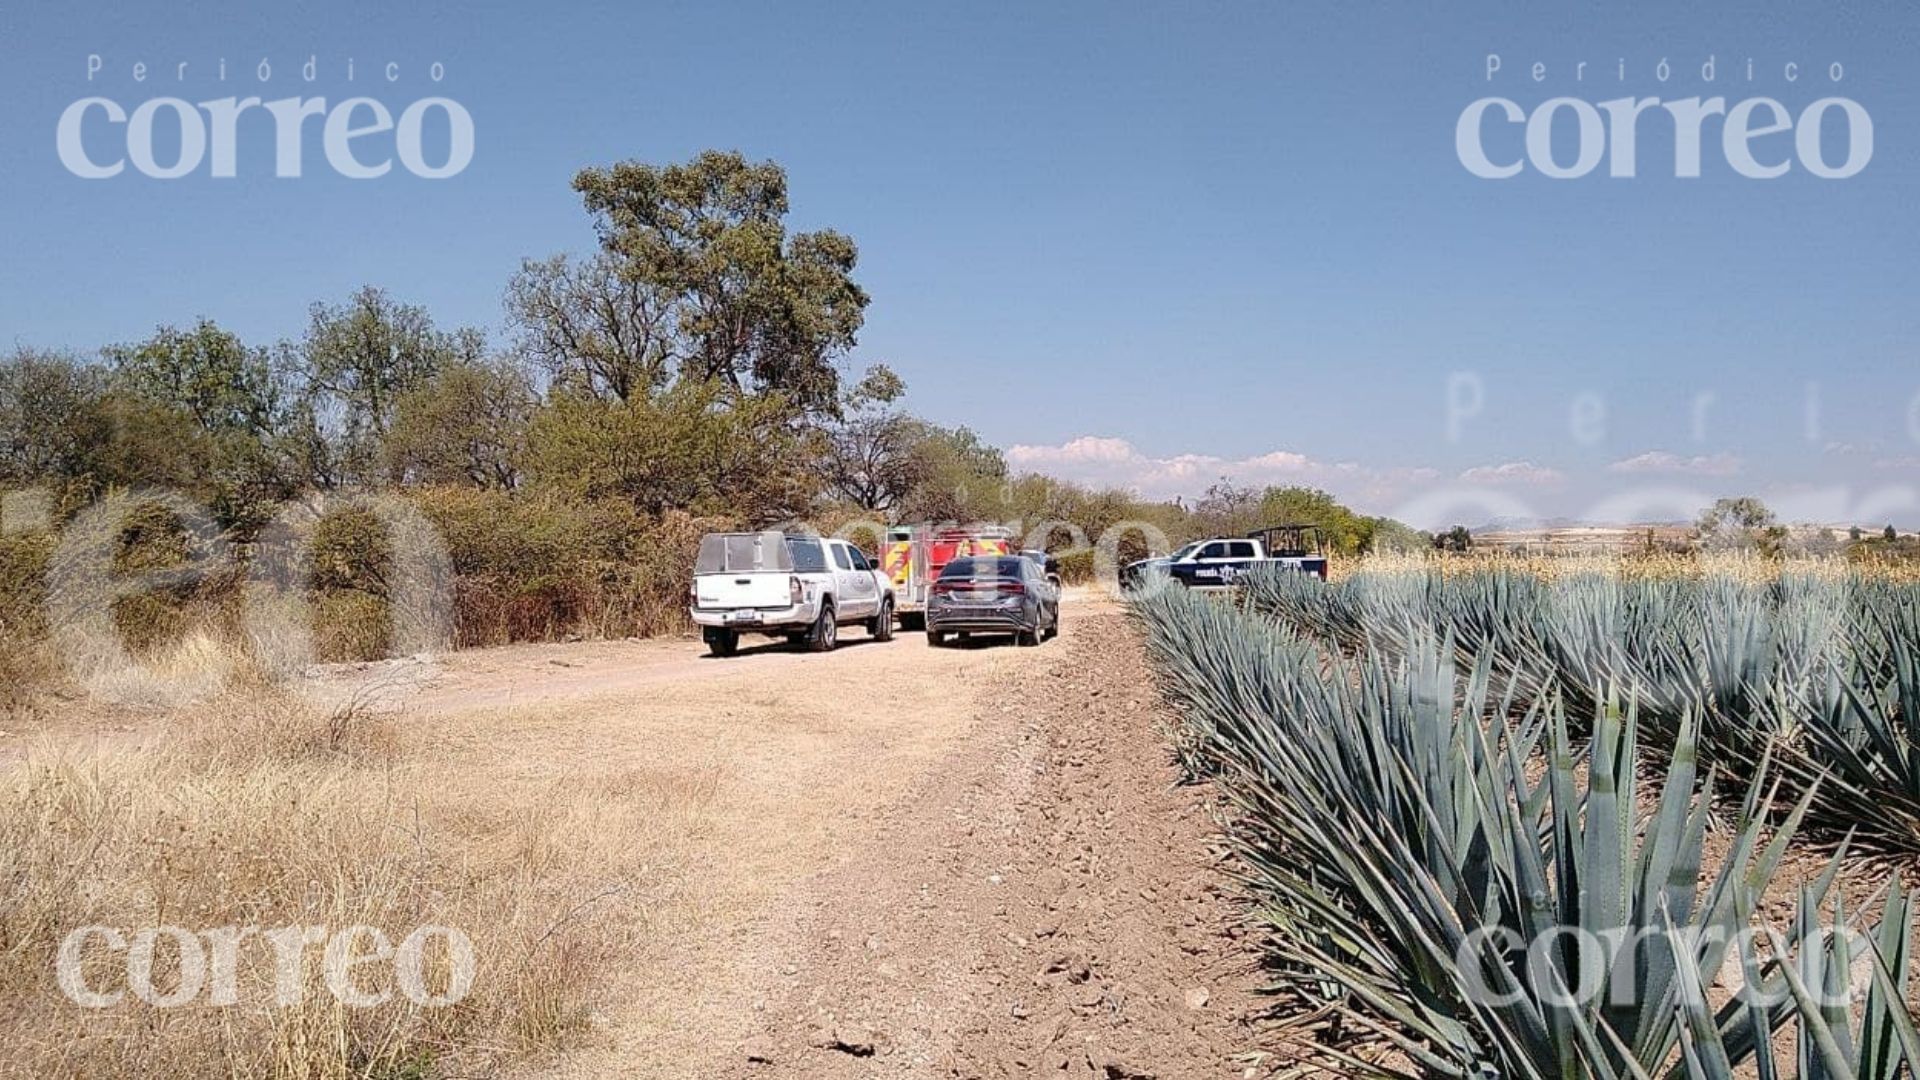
(785, 584)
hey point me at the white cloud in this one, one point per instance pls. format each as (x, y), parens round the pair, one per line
(1899, 464)
(1110, 462)
(1660, 461)
(1087, 448)
(1512, 472)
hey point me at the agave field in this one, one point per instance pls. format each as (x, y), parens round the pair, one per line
(1474, 813)
(1814, 668)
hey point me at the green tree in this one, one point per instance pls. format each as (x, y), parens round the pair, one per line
(223, 385)
(1346, 531)
(739, 301)
(54, 417)
(1890, 534)
(1743, 522)
(1745, 512)
(1387, 535)
(961, 478)
(1456, 539)
(466, 424)
(233, 395)
(690, 448)
(65, 425)
(357, 360)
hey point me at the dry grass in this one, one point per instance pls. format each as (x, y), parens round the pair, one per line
(27, 671)
(260, 810)
(1742, 565)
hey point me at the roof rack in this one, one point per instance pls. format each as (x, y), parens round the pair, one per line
(1298, 540)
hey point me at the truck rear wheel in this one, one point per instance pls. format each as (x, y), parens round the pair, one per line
(826, 632)
(723, 642)
(882, 625)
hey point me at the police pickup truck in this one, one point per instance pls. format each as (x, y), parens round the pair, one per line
(1219, 563)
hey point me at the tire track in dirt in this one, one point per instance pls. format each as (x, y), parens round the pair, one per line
(1046, 901)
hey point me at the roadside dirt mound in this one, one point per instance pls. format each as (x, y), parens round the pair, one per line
(1049, 902)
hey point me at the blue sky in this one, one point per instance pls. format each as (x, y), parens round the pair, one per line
(1136, 243)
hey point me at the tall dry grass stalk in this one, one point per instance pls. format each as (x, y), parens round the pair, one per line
(261, 811)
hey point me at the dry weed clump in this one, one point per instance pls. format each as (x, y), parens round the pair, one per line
(265, 812)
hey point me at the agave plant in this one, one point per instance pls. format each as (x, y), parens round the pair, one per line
(1816, 987)
(1411, 871)
(1815, 673)
(1864, 744)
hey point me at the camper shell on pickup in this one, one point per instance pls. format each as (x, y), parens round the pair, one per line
(799, 586)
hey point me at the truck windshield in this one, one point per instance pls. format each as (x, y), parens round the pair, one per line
(1185, 551)
(741, 553)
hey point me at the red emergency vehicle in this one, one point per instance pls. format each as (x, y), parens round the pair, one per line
(915, 555)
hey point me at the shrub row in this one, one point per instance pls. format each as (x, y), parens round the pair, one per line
(521, 568)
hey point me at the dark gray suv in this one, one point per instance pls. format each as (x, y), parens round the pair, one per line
(1004, 594)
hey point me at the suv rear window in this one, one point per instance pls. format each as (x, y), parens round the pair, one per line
(985, 567)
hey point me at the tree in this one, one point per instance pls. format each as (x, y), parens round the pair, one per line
(1386, 535)
(359, 358)
(1228, 509)
(593, 329)
(54, 417)
(222, 384)
(962, 479)
(1815, 542)
(1854, 534)
(1346, 531)
(732, 298)
(1743, 522)
(64, 424)
(233, 395)
(872, 458)
(1741, 513)
(466, 424)
(689, 448)
(1890, 533)
(1456, 539)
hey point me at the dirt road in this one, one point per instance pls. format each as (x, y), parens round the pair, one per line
(898, 861)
